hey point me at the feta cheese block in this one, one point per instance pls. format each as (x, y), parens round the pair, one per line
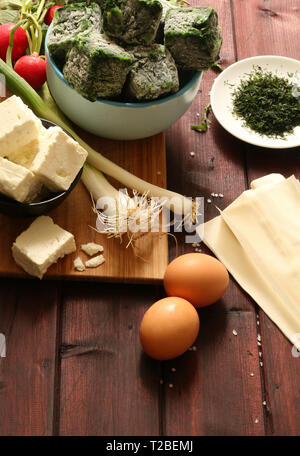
(18, 182)
(91, 248)
(193, 36)
(95, 262)
(58, 160)
(97, 67)
(25, 155)
(41, 245)
(154, 73)
(18, 127)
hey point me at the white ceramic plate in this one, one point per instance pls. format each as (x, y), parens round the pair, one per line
(221, 98)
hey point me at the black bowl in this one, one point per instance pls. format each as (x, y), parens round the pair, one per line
(14, 208)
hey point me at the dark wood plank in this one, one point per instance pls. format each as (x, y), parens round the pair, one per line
(28, 319)
(108, 386)
(213, 393)
(272, 28)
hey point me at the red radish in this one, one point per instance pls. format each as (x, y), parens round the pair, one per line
(32, 68)
(50, 13)
(20, 42)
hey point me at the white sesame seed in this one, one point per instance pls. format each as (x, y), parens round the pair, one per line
(192, 154)
(221, 195)
(251, 374)
(257, 323)
(194, 348)
(208, 200)
(261, 364)
(264, 403)
(259, 344)
(234, 332)
(194, 244)
(171, 385)
(159, 173)
(212, 194)
(198, 114)
(256, 421)
(259, 337)
(260, 354)
(173, 369)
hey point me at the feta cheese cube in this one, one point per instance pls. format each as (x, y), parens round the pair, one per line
(18, 126)
(95, 262)
(27, 154)
(41, 245)
(18, 182)
(91, 248)
(78, 264)
(58, 160)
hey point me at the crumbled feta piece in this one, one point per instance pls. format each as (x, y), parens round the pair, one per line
(58, 160)
(17, 182)
(95, 262)
(78, 264)
(91, 248)
(41, 245)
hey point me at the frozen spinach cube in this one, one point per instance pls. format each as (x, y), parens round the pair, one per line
(153, 74)
(96, 67)
(132, 21)
(78, 19)
(166, 4)
(193, 37)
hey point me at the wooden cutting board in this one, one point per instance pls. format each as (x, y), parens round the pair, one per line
(145, 158)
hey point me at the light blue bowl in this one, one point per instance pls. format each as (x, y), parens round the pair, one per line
(117, 120)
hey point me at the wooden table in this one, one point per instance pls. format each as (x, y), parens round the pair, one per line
(74, 364)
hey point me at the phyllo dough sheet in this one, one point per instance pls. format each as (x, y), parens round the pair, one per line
(257, 238)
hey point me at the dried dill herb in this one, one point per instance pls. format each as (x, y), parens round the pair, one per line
(267, 103)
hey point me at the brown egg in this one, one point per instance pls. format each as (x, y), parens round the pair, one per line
(169, 328)
(200, 279)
